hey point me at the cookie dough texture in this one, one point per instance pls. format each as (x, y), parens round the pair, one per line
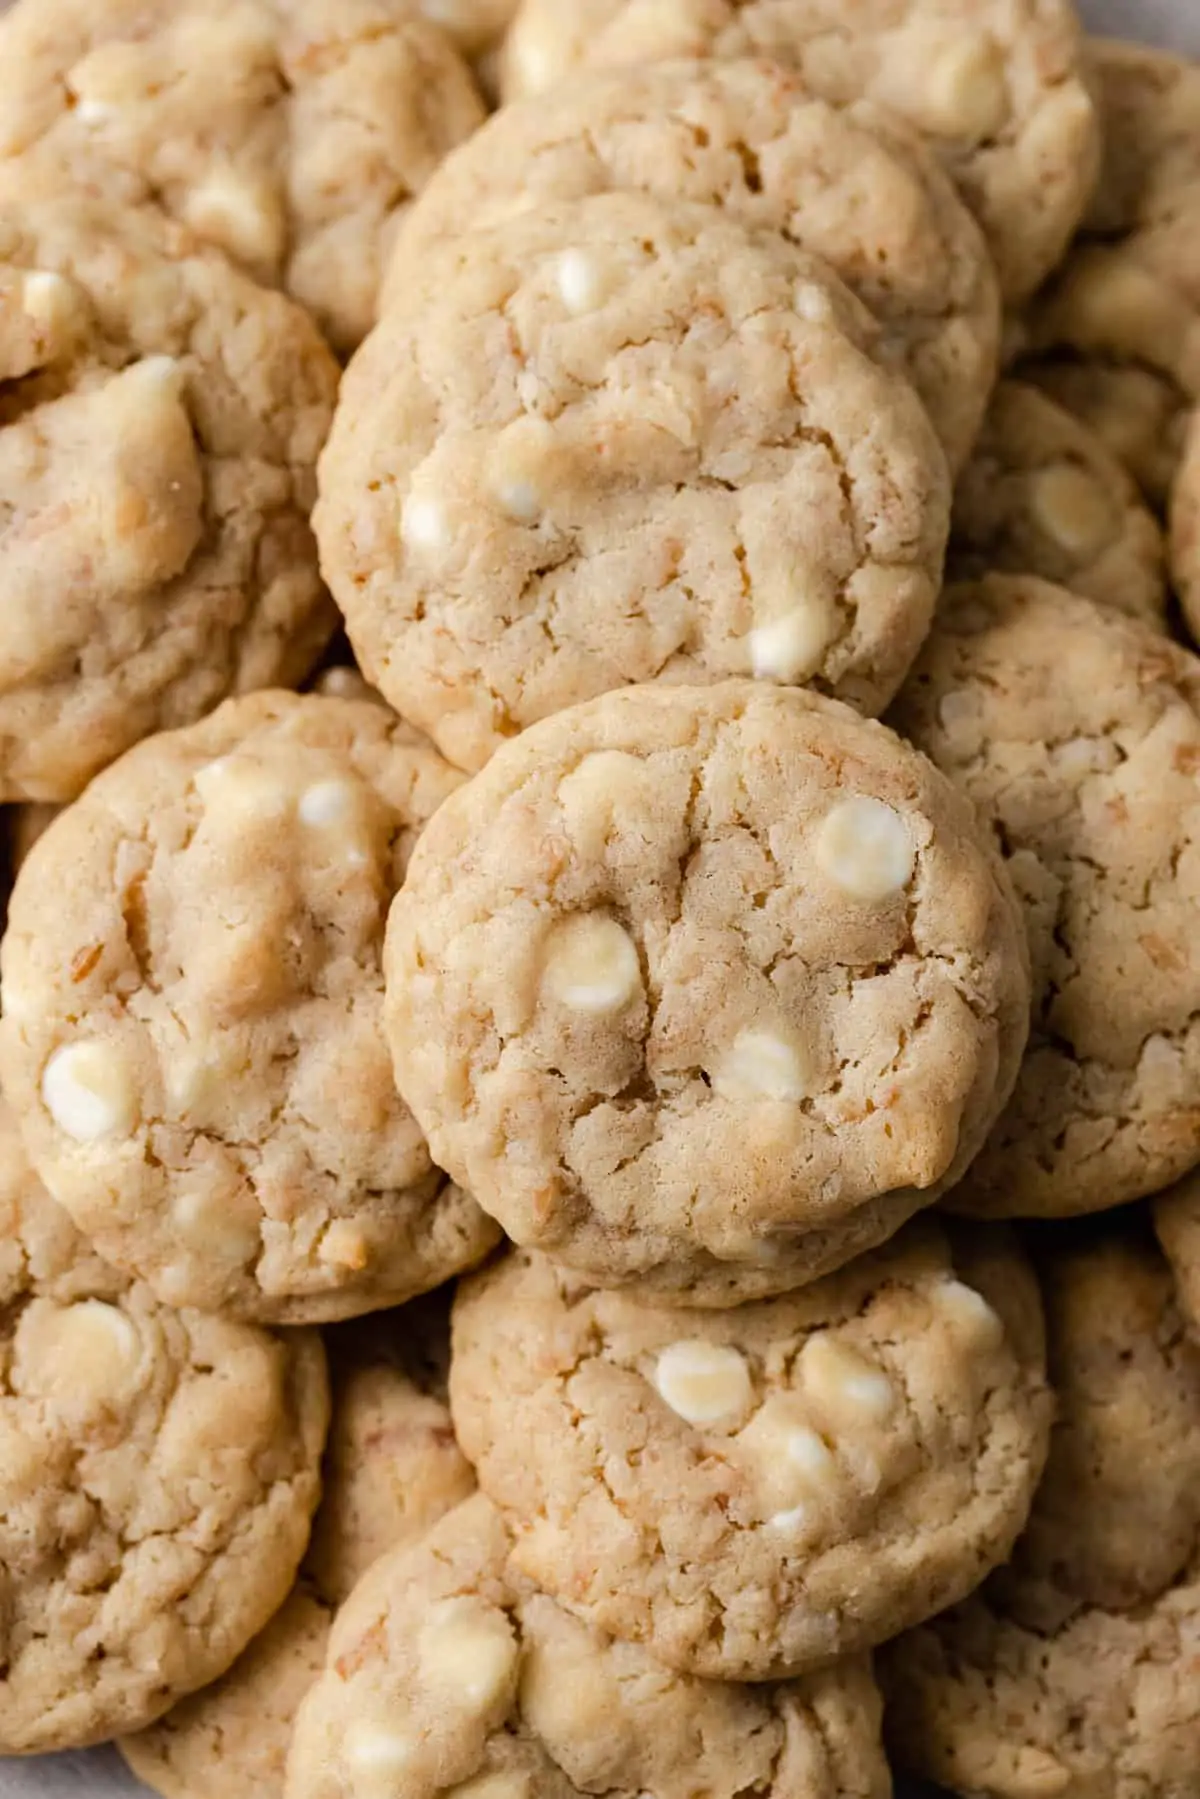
(287, 134)
(1073, 1673)
(41, 1252)
(1043, 496)
(848, 183)
(1077, 734)
(160, 425)
(449, 1671)
(617, 439)
(1139, 416)
(392, 1469)
(1185, 530)
(158, 1473)
(752, 1492)
(1177, 1223)
(706, 989)
(193, 1015)
(997, 88)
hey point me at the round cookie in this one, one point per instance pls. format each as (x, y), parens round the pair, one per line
(749, 1493)
(1043, 496)
(1077, 734)
(615, 440)
(159, 429)
(392, 1469)
(705, 989)
(848, 183)
(158, 1472)
(1177, 1224)
(997, 88)
(447, 1671)
(1137, 415)
(193, 1027)
(1185, 529)
(288, 134)
(1073, 1673)
(1106, 305)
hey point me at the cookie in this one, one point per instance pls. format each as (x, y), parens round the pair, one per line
(615, 440)
(1139, 416)
(447, 1670)
(193, 1027)
(997, 88)
(1185, 529)
(158, 1473)
(160, 423)
(288, 134)
(849, 183)
(1177, 1223)
(749, 1493)
(391, 1470)
(1043, 496)
(1073, 1673)
(1077, 734)
(1106, 305)
(705, 989)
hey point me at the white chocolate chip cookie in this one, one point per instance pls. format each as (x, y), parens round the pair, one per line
(706, 989)
(1073, 1673)
(392, 1469)
(750, 1493)
(997, 87)
(1139, 416)
(193, 1015)
(158, 1473)
(1043, 496)
(160, 423)
(617, 439)
(848, 183)
(288, 134)
(1077, 734)
(449, 1674)
(1185, 529)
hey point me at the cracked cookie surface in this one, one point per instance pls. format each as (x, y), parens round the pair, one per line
(848, 183)
(159, 429)
(997, 88)
(1077, 734)
(620, 439)
(450, 1673)
(392, 1469)
(193, 1031)
(1185, 529)
(705, 989)
(288, 134)
(158, 1474)
(1073, 1672)
(1043, 496)
(749, 1493)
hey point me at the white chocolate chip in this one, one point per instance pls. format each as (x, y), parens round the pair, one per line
(762, 1064)
(423, 523)
(591, 965)
(243, 217)
(377, 1751)
(795, 1469)
(519, 469)
(1072, 509)
(864, 848)
(344, 1246)
(90, 111)
(88, 1352)
(849, 1389)
(87, 1090)
(521, 500)
(467, 1647)
(207, 1223)
(533, 63)
(49, 298)
(964, 92)
(235, 787)
(791, 647)
(327, 803)
(812, 303)
(703, 1382)
(970, 1313)
(584, 282)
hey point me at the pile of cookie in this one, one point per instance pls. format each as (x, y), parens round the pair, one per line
(598, 1177)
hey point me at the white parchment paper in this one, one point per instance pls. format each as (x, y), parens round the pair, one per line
(100, 1773)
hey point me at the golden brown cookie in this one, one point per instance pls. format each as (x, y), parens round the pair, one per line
(997, 87)
(448, 1672)
(392, 1468)
(288, 134)
(159, 426)
(194, 1026)
(705, 990)
(849, 183)
(1077, 734)
(749, 1493)
(1043, 496)
(1073, 1672)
